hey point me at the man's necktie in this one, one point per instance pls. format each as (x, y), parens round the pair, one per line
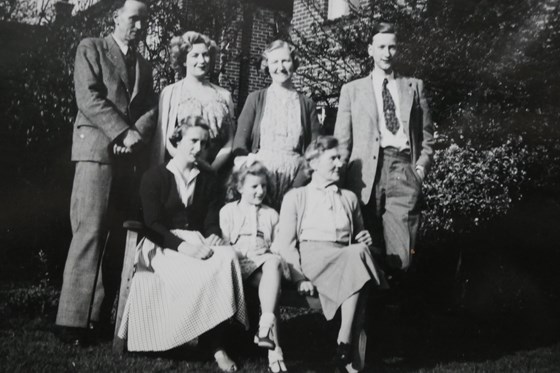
(391, 120)
(130, 61)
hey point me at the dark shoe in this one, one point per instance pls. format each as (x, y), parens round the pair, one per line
(266, 341)
(343, 355)
(79, 337)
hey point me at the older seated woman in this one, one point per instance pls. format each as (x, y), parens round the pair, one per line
(324, 222)
(185, 285)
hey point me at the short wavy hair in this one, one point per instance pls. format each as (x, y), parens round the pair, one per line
(382, 27)
(189, 122)
(316, 148)
(238, 176)
(277, 44)
(181, 45)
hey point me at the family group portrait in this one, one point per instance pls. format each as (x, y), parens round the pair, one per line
(280, 186)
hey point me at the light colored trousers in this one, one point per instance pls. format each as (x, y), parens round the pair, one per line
(393, 212)
(99, 195)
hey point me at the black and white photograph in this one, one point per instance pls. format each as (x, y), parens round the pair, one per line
(308, 186)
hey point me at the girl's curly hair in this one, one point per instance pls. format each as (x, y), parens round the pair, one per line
(238, 176)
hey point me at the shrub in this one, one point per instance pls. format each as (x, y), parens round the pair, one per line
(469, 186)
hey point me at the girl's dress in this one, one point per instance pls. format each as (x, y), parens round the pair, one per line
(246, 228)
(174, 297)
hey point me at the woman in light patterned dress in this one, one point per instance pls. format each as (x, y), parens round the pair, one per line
(186, 283)
(278, 123)
(193, 55)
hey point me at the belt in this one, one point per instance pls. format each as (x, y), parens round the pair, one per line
(393, 152)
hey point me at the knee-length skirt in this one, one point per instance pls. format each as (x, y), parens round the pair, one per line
(175, 298)
(337, 271)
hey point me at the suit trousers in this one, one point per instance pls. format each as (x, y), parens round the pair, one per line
(393, 212)
(103, 196)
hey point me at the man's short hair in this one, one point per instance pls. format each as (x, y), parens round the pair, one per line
(383, 28)
(119, 4)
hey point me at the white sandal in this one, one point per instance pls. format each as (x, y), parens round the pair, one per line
(265, 336)
(276, 361)
(224, 361)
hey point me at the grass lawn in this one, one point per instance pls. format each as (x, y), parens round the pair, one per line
(503, 317)
(451, 345)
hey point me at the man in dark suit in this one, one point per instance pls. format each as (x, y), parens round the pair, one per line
(386, 133)
(116, 118)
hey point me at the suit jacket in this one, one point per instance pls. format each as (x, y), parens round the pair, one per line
(248, 135)
(108, 104)
(357, 130)
(164, 211)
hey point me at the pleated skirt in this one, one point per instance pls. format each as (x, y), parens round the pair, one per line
(175, 298)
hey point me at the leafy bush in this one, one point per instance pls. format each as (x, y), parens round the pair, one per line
(37, 111)
(491, 73)
(468, 187)
(29, 301)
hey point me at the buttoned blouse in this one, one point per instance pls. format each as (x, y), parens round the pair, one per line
(185, 181)
(325, 218)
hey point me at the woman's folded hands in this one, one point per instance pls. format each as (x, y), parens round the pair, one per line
(364, 237)
(201, 252)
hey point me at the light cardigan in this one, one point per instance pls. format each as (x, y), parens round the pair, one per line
(289, 226)
(248, 135)
(232, 219)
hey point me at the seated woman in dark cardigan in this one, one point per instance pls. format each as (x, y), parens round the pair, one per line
(186, 285)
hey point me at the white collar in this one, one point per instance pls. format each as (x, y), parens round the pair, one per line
(324, 187)
(379, 75)
(186, 174)
(123, 47)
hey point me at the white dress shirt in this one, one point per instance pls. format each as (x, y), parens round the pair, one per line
(398, 140)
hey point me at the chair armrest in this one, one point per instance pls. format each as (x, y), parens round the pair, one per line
(134, 225)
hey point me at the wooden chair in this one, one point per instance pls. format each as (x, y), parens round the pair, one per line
(289, 298)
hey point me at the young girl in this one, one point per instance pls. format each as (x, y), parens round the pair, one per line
(249, 225)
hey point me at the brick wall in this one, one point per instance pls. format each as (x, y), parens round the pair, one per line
(241, 73)
(263, 33)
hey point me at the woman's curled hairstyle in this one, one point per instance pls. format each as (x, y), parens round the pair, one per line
(277, 44)
(188, 122)
(181, 45)
(317, 147)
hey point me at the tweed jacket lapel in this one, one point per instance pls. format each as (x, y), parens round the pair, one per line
(367, 96)
(406, 93)
(115, 56)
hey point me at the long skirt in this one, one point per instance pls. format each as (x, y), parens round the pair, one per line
(337, 271)
(175, 298)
